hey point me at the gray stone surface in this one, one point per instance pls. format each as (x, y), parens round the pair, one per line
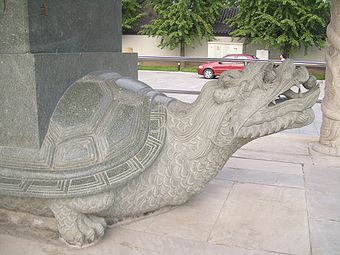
(275, 218)
(323, 193)
(125, 242)
(325, 237)
(115, 148)
(14, 27)
(32, 84)
(41, 56)
(269, 172)
(275, 148)
(137, 238)
(70, 26)
(261, 177)
(268, 166)
(193, 220)
(18, 102)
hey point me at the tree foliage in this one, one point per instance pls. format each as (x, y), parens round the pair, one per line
(180, 23)
(231, 3)
(131, 13)
(283, 24)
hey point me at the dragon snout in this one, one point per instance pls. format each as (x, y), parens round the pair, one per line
(223, 95)
(310, 83)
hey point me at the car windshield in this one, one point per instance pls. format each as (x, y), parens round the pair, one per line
(243, 57)
(229, 57)
(238, 57)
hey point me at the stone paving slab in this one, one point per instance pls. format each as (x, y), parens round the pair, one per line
(19, 246)
(321, 159)
(325, 237)
(264, 218)
(195, 219)
(268, 156)
(323, 192)
(323, 206)
(121, 241)
(178, 246)
(280, 148)
(278, 144)
(261, 177)
(274, 196)
(267, 172)
(265, 165)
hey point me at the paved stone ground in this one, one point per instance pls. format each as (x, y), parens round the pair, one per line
(274, 196)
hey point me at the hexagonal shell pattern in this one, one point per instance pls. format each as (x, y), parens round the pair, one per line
(105, 130)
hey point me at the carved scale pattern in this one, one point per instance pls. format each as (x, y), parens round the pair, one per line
(189, 160)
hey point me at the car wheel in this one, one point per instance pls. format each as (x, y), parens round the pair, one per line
(208, 73)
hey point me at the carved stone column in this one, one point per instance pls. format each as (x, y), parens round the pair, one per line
(330, 130)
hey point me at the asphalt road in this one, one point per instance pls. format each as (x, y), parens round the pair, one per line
(174, 81)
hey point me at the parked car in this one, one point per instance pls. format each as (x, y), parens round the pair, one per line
(213, 69)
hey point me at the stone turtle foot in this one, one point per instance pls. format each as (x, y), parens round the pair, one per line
(78, 229)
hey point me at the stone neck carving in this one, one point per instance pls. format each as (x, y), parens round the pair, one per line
(204, 119)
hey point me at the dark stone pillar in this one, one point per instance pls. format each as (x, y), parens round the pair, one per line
(43, 53)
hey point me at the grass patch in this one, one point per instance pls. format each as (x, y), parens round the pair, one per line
(167, 68)
(158, 68)
(319, 76)
(189, 69)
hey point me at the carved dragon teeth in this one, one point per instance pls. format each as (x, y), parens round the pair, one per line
(269, 127)
(243, 133)
(265, 128)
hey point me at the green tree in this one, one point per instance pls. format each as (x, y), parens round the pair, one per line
(179, 23)
(231, 3)
(283, 24)
(131, 12)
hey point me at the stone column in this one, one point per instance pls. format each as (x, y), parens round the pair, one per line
(330, 131)
(45, 46)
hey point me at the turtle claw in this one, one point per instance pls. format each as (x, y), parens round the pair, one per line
(94, 226)
(85, 231)
(77, 229)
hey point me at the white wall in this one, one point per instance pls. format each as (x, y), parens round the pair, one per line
(201, 49)
(313, 53)
(148, 46)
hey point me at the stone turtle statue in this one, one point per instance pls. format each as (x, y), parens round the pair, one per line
(116, 148)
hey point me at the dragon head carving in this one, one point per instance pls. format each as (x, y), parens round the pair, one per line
(264, 99)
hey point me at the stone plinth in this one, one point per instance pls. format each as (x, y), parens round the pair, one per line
(40, 56)
(69, 26)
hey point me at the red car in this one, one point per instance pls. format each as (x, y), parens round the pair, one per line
(210, 70)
